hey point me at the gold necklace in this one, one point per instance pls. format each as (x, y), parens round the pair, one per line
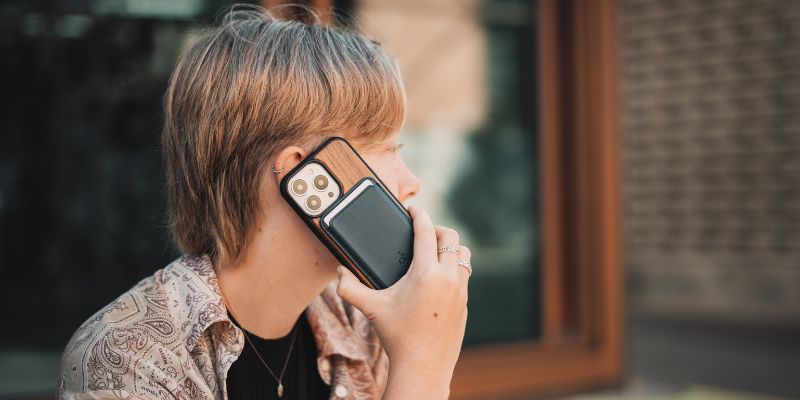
(285, 363)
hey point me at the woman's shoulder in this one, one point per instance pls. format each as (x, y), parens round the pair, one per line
(147, 332)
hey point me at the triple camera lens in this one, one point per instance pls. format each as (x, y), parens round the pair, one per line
(313, 189)
(313, 202)
(300, 187)
(320, 182)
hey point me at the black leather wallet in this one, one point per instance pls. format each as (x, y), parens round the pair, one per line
(371, 229)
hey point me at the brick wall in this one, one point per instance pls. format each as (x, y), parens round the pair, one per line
(711, 119)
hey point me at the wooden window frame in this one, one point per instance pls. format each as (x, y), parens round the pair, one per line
(580, 346)
(581, 342)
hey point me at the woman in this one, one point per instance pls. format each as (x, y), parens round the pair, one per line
(257, 306)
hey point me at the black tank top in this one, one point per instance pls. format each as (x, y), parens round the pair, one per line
(248, 379)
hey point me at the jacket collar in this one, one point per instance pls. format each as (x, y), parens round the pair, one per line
(334, 325)
(197, 303)
(196, 299)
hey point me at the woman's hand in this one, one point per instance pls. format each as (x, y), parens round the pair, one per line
(421, 318)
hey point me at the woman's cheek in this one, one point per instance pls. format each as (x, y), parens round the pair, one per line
(384, 167)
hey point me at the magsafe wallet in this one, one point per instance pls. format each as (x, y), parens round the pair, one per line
(373, 232)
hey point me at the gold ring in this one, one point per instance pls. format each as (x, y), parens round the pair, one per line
(447, 249)
(464, 263)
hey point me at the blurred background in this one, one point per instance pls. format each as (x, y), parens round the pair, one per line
(676, 274)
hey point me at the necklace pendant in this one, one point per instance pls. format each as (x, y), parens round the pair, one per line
(280, 389)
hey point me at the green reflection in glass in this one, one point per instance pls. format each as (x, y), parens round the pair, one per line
(495, 196)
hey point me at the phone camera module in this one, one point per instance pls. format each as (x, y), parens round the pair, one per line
(313, 202)
(299, 187)
(313, 189)
(320, 182)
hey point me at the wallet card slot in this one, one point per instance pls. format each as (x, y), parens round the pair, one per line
(346, 201)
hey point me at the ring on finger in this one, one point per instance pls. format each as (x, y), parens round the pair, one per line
(447, 249)
(464, 263)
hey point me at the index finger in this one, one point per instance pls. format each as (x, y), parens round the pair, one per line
(424, 237)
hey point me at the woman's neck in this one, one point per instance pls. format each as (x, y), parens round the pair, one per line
(283, 268)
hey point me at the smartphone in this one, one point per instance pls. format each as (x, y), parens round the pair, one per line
(350, 210)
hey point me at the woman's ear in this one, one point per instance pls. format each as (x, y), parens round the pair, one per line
(286, 159)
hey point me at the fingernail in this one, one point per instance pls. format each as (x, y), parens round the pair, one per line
(339, 270)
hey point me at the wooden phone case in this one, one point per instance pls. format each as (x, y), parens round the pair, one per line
(348, 169)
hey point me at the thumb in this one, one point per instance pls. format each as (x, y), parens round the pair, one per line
(354, 292)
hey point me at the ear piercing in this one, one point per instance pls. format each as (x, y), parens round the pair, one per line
(277, 171)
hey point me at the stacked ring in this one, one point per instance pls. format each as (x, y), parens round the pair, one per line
(466, 264)
(447, 249)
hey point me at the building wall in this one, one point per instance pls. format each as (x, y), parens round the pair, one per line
(711, 119)
(441, 49)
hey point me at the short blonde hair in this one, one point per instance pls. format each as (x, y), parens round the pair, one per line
(249, 87)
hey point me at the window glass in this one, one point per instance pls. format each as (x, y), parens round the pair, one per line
(470, 74)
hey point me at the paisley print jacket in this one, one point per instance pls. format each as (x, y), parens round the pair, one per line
(170, 337)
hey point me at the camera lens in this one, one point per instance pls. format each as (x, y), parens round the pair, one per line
(320, 182)
(299, 187)
(313, 202)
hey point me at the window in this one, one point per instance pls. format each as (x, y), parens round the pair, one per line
(512, 126)
(471, 138)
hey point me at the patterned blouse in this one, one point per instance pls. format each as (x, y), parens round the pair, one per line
(170, 337)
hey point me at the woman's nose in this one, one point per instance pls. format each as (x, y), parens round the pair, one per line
(408, 185)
